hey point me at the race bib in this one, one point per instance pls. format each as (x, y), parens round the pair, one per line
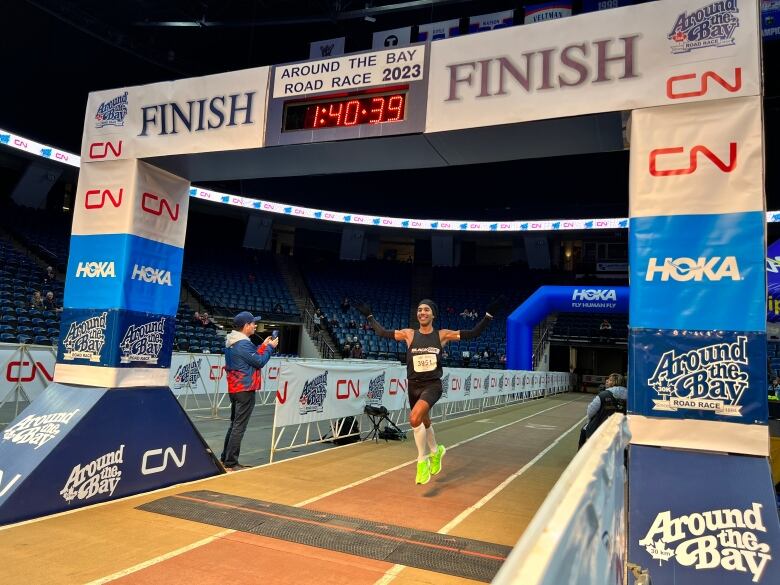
(424, 362)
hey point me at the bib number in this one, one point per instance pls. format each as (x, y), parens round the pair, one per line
(424, 363)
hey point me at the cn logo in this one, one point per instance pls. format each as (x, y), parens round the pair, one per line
(148, 468)
(693, 158)
(281, 398)
(155, 205)
(346, 387)
(98, 150)
(216, 372)
(96, 198)
(673, 89)
(273, 372)
(19, 371)
(397, 384)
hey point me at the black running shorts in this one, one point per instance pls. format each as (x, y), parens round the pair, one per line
(429, 391)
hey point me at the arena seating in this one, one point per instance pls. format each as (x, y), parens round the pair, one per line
(587, 327)
(773, 354)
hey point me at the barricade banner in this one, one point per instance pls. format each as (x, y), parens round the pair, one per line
(27, 370)
(657, 53)
(202, 114)
(685, 529)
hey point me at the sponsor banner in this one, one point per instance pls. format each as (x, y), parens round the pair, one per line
(128, 196)
(26, 372)
(706, 375)
(594, 5)
(122, 271)
(438, 30)
(202, 114)
(657, 53)
(30, 146)
(612, 267)
(547, 11)
(66, 450)
(397, 37)
(698, 272)
(684, 530)
(773, 283)
(326, 48)
(598, 299)
(486, 22)
(115, 338)
(694, 157)
(770, 19)
(350, 72)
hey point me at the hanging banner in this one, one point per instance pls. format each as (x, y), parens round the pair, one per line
(773, 282)
(546, 11)
(770, 19)
(683, 529)
(656, 53)
(397, 37)
(486, 22)
(594, 5)
(202, 114)
(436, 31)
(326, 48)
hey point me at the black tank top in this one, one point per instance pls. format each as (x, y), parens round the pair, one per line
(423, 357)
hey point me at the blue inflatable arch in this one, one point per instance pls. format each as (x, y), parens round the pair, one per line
(554, 299)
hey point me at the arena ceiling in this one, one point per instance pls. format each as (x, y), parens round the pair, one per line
(57, 51)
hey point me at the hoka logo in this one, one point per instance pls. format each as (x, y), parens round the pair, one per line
(152, 275)
(592, 294)
(697, 269)
(376, 388)
(95, 270)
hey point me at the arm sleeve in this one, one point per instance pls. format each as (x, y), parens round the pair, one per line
(477, 331)
(255, 357)
(380, 331)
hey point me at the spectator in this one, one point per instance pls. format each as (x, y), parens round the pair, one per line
(357, 352)
(502, 359)
(345, 305)
(50, 304)
(317, 320)
(278, 308)
(605, 326)
(49, 277)
(352, 324)
(466, 313)
(334, 321)
(609, 401)
(774, 388)
(36, 302)
(486, 354)
(474, 314)
(204, 320)
(347, 351)
(243, 362)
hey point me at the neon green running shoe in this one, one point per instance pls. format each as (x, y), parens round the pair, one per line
(436, 459)
(423, 471)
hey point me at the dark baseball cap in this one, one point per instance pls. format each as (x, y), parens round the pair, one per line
(243, 318)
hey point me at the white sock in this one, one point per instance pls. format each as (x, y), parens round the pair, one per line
(419, 440)
(432, 446)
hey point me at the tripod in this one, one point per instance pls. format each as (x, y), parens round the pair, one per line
(377, 414)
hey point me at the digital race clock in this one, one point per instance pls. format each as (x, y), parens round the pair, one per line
(346, 110)
(359, 95)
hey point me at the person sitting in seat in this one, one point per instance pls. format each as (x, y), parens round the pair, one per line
(606, 403)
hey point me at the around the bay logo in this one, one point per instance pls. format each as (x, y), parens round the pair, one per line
(38, 429)
(707, 378)
(728, 539)
(112, 112)
(85, 339)
(142, 343)
(712, 25)
(445, 385)
(314, 393)
(100, 476)
(187, 375)
(467, 386)
(376, 388)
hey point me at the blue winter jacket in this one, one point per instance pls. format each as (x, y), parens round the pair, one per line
(243, 360)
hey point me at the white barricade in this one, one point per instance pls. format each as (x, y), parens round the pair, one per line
(578, 534)
(316, 397)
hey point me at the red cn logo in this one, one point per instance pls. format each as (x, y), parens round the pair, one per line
(693, 157)
(455, 385)
(25, 371)
(98, 150)
(218, 374)
(281, 398)
(155, 205)
(96, 198)
(273, 372)
(397, 384)
(345, 388)
(673, 94)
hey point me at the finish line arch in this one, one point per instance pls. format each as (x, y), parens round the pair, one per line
(556, 299)
(697, 323)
